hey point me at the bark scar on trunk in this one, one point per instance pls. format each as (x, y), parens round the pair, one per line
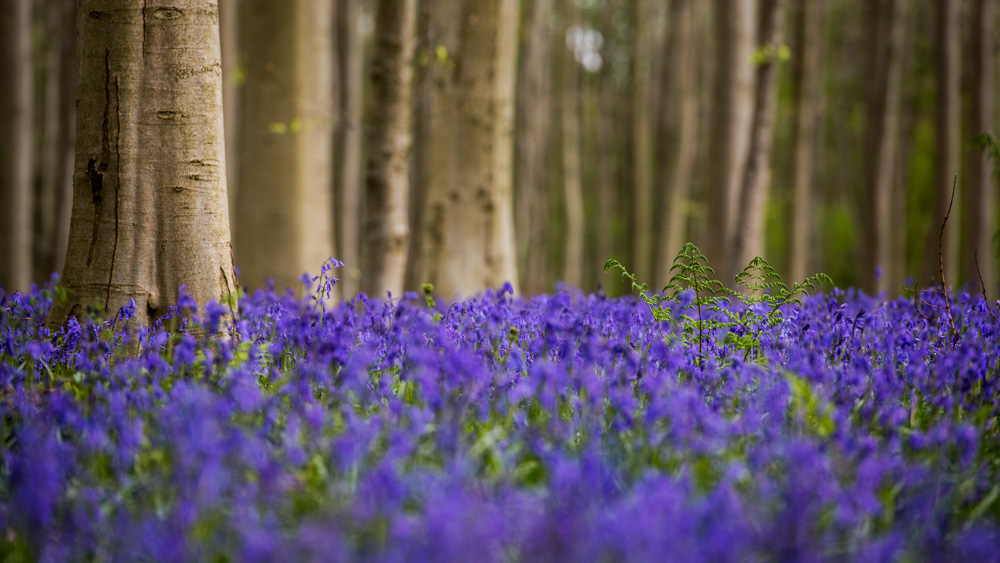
(168, 13)
(97, 167)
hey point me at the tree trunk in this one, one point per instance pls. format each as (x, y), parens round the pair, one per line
(388, 183)
(443, 28)
(607, 200)
(15, 145)
(644, 53)
(980, 209)
(748, 240)
(479, 246)
(732, 118)
(880, 146)
(808, 26)
(349, 142)
(56, 193)
(284, 210)
(948, 126)
(534, 133)
(229, 28)
(572, 180)
(149, 193)
(681, 83)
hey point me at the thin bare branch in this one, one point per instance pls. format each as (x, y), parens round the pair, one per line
(975, 255)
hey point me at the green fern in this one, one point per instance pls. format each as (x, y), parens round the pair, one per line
(694, 274)
(764, 294)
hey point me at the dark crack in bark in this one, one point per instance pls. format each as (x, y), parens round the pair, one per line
(118, 185)
(97, 167)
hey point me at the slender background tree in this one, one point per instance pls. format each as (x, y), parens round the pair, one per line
(388, 183)
(284, 209)
(15, 144)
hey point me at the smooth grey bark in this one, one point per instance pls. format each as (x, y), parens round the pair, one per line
(682, 85)
(349, 140)
(59, 133)
(15, 145)
(444, 17)
(150, 211)
(229, 28)
(534, 132)
(748, 238)
(806, 71)
(881, 141)
(284, 211)
(980, 209)
(732, 117)
(388, 183)
(479, 249)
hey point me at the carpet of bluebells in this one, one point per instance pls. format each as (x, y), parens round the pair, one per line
(561, 427)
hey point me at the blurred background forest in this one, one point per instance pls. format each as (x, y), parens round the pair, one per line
(821, 134)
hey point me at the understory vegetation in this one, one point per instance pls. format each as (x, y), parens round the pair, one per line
(695, 423)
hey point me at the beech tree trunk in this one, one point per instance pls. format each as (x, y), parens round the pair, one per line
(349, 143)
(644, 53)
(284, 209)
(681, 83)
(980, 210)
(479, 248)
(59, 132)
(607, 198)
(748, 240)
(732, 118)
(572, 181)
(806, 70)
(444, 23)
(880, 145)
(534, 128)
(149, 192)
(229, 28)
(388, 183)
(15, 145)
(948, 125)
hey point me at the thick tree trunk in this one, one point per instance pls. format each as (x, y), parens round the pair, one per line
(682, 86)
(808, 26)
(980, 208)
(534, 133)
(732, 118)
(748, 240)
(229, 28)
(388, 182)
(149, 193)
(479, 245)
(284, 209)
(59, 133)
(572, 181)
(349, 141)
(880, 146)
(445, 18)
(15, 145)
(948, 125)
